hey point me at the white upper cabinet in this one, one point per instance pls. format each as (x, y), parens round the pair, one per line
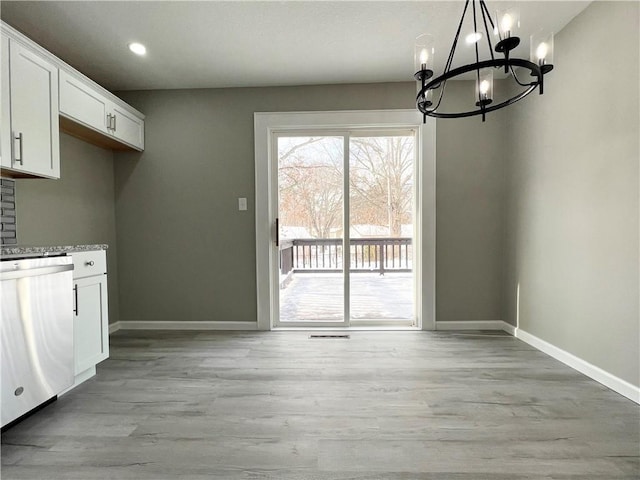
(40, 96)
(127, 127)
(82, 103)
(30, 141)
(87, 112)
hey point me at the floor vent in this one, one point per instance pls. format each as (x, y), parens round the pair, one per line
(343, 335)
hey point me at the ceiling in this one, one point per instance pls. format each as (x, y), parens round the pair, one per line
(209, 44)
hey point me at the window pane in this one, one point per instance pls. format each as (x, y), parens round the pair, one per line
(381, 181)
(310, 191)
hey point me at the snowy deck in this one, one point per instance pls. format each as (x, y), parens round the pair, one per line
(308, 297)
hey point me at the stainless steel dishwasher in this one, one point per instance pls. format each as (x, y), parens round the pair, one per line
(37, 332)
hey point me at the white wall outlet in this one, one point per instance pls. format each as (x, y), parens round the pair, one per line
(242, 203)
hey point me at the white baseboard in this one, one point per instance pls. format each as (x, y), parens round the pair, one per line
(510, 329)
(169, 325)
(114, 327)
(596, 373)
(472, 325)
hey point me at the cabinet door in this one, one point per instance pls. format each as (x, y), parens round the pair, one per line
(5, 110)
(127, 127)
(33, 86)
(91, 322)
(83, 104)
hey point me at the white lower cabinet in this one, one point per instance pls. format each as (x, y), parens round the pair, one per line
(90, 314)
(91, 322)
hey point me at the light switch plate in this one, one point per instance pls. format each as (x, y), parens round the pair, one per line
(242, 203)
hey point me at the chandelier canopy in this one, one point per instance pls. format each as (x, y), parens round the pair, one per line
(504, 33)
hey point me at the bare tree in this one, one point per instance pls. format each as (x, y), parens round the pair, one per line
(311, 182)
(310, 178)
(381, 180)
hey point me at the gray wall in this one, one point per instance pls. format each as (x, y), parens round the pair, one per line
(186, 253)
(572, 216)
(79, 208)
(470, 211)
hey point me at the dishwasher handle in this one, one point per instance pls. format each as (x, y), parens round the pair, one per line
(35, 272)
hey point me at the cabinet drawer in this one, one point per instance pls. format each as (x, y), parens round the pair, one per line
(86, 264)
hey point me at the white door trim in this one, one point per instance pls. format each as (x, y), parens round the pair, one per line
(267, 123)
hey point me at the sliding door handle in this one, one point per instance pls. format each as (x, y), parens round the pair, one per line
(277, 232)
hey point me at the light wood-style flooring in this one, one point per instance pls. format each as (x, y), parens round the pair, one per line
(282, 406)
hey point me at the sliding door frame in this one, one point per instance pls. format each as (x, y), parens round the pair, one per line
(274, 207)
(267, 125)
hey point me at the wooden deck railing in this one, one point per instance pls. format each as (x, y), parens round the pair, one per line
(366, 254)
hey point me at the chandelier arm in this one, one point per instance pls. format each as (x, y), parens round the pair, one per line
(483, 7)
(515, 77)
(442, 79)
(455, 39)
(517, 62)
(423, 91)
(484, 111)
(475, 30)
(444, 86)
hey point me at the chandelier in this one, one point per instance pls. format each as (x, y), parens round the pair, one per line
(504, 32)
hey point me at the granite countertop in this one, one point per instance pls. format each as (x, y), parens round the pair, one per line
(18, 251)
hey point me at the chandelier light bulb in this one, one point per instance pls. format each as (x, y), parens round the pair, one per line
(541, 51)
(484, 87)
(507, 23)
(424, 56)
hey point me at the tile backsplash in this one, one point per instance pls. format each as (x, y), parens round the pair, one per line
(8, 212)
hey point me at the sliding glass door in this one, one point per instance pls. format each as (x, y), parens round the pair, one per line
(381, 213)
(345, 216)
(310, 229)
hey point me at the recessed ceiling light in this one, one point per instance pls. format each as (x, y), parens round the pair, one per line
(137, 48)
(473, 37)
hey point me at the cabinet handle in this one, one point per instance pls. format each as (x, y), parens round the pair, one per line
(18, 137)
(90, 263)
(115, 124)
(75, 291)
